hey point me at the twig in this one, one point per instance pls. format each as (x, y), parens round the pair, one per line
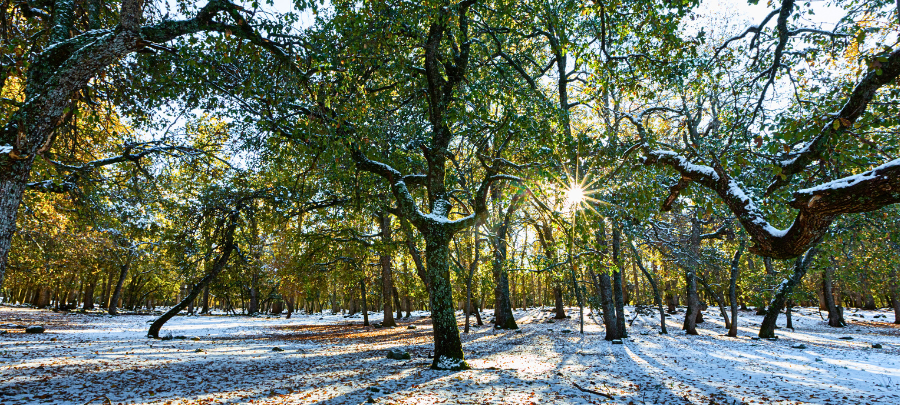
(592, 391)
(106, 401)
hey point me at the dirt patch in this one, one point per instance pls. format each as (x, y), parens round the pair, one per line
(356, 333)
(881, 328)
(48, 319)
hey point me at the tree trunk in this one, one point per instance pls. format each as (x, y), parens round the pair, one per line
(657, 297)
(720, 302)
(205, 309)
(387, 272)
(690, 275)
(558, 307)
(289, 301)
(503, 315)
(787, 315)
(43, 297)
(88, 299)
(608, 306)
(477, 313)
(693, 302)
(107, 285)
(13, 178)
(605, 285)
(365, 306)
(895, 292)
(732, 288)
(448, 352)
(619, 292)
(277, 307)
(253, 308)
(396, 295)
(835, 313)
(117, 292)
(468, 307)
(218, 265)
(767, 328)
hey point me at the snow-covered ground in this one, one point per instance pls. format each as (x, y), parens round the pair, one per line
(329, 359)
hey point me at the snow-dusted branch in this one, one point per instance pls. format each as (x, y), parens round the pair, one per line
(818, 206)
(856, 104)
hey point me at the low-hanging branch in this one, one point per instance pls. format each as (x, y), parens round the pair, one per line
(133, 152)
(818, 206)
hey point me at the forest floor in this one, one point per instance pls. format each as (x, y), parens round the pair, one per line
(329, 359)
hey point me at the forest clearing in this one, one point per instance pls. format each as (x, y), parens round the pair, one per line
(331, 359)
(449, 201)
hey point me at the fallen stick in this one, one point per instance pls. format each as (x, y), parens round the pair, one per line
(106, 401)
(592, 391)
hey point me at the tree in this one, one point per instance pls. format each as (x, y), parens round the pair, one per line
(64, 64)
(793, 138)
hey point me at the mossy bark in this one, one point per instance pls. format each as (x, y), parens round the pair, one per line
(448, 353)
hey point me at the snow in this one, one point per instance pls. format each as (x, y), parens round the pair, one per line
(5, 149)
(706, 170)
(850, 181)
(734, 189)
(328, 361)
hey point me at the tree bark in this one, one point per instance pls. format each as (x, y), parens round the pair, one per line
(88, 299)
(503, 315)
(117, 292)
(787, 315)
(387, 272)
(657, 297)
(693, 300)
(365, 306)
(895, 292)
(558, 308)
(767, 328)
(617, 283)
(835, 313)
(447, 344)
(607, 296)
(396, 295)
(732, 288)
(289, 301)
(107, 285)
(205, 309)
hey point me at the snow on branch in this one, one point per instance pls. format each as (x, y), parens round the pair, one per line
(818, 206)
(853, 108)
